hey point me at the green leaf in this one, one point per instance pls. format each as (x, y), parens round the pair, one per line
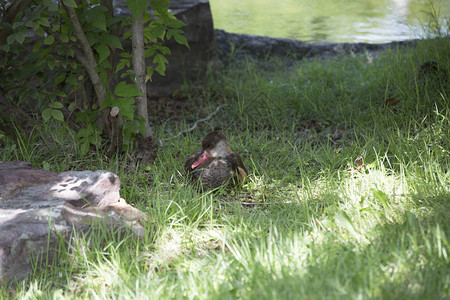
(49, 40)
(47, 114)
(97, 17)
(60, 49)
(126, 35)
(345, 221)
(57, 115)
(160, 7)
(60, 78)
(69, 51)
(20, 37)
(132, 127)
(150, 72)
(103, 52)
(155, 31)
(65, 28)
(381, 196)
(175, 23)
(150, 51)
(35, 25)
(84, 132)
(109, 101)
(16, 24)
(11, 38)
(103, 75)
(72, 79)
(40, 31)
(56, 105)
(64, 38)
(127, 107)
(126, 90)
(161, 69)
(112, 40)
(72, 106)
(171, 32)
(105, 64)
(161, 61)
(51, 62)
(70, 3)
(180, 39)
(142, 128)
(137, 7)
(4, 25)
(164, 50)
(84, 148)
(123, 63)
(44, 22)
(92, 37)
(52, 6)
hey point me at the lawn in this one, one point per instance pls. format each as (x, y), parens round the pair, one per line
(348, 195)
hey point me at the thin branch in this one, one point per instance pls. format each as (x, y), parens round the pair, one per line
(193, 126)
(89, 63)
(80, 57)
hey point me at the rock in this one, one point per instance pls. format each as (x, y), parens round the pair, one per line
(38, 208)
(184, 63)
(259, 47)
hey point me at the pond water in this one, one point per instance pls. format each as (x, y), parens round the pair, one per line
(370, 21)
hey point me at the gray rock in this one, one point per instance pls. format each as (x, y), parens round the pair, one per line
(39, 209)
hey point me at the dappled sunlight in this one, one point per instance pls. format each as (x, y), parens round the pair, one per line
(309, 221)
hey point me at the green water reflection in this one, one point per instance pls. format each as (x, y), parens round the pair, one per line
(372, 21)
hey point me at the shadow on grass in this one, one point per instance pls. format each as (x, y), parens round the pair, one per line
(400, 260)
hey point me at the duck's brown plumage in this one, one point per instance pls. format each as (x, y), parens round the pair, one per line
(216, 164)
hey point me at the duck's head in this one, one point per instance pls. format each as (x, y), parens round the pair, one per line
(215, 145)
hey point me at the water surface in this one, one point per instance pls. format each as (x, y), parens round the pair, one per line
(372, 21)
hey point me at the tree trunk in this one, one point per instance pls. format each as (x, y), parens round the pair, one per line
(112, 122)
(87, 59)
(147, 144)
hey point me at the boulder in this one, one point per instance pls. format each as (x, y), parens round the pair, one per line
(39, 207)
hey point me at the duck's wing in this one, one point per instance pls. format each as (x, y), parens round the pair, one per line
(237, 165)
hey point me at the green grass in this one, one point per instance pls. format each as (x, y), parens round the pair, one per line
(307, 224)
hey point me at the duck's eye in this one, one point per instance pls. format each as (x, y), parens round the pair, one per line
(211, 145)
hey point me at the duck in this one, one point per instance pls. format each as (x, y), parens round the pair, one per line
(216, 164)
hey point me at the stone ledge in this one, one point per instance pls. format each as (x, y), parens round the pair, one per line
(260, 47)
